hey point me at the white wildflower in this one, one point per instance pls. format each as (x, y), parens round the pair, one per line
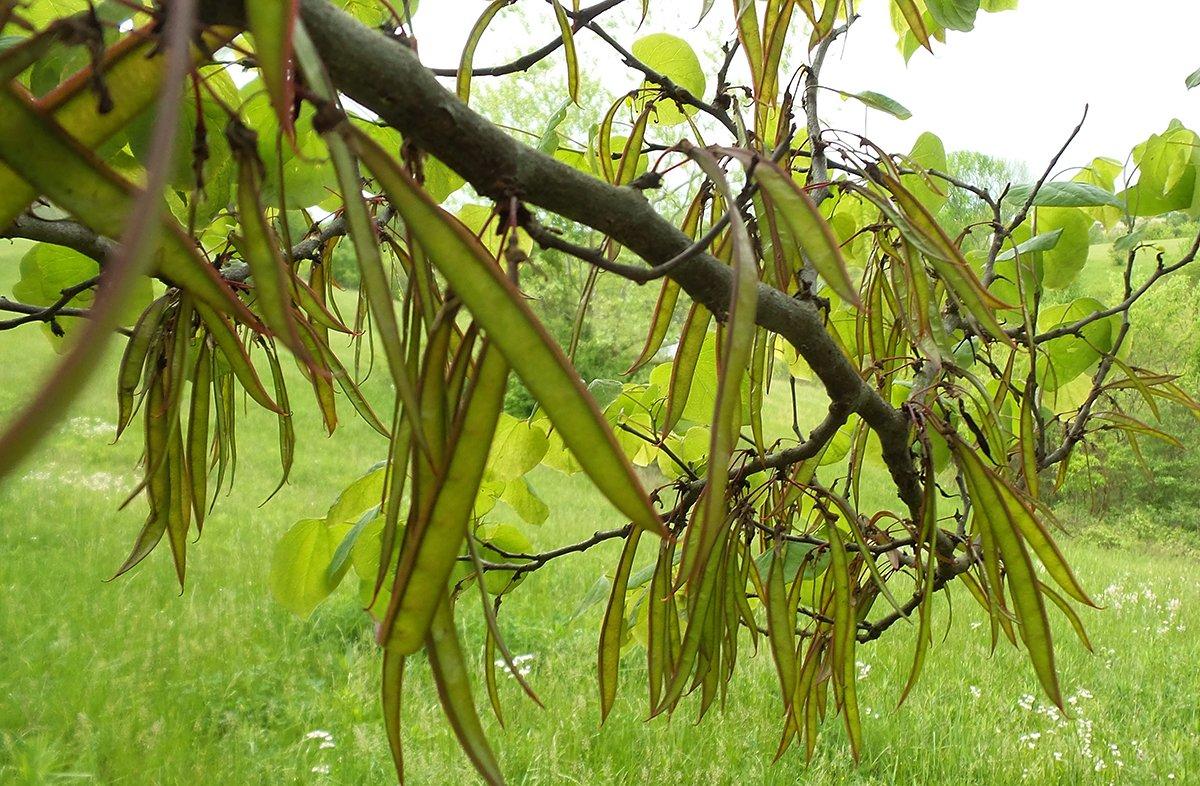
(520, 665)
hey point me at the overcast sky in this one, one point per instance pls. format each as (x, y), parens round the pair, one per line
(1013, 87)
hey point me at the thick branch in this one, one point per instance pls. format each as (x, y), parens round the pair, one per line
(61, 233)
(386, 77)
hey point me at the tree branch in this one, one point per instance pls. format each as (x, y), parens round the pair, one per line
(386, 77)
(525, 62)
(61, 233)
(670, 89)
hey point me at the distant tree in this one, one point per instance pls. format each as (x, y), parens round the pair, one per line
(964, 209)
(159, 189)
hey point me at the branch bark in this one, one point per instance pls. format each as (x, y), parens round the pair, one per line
(385, 76)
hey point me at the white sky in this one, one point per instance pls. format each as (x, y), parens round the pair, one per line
(1014, 87)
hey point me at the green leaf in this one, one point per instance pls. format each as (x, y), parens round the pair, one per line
(675, 59)
(47, 270)
(954, 14)
(793, 557)
(927, 153)
(1062, 263)
(1069, 356)
(1042, 242)
(364, 493)
(213, 115)
(342, 555)
(598, 592)
(308, 177)
(550, 139)
(374, 13)
(883, 103)
(500, 539)
(520, 496)
(1060, 193)
(701, 391)
(1193, 79)
(300, 577)
(518, 447)
(1166, 165)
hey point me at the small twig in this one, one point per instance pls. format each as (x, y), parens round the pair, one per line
(1001, 236)
(525, 62)
(669, 88)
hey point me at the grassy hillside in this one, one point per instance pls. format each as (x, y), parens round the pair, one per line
(131, 682)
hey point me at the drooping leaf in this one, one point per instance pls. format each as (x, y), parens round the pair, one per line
(300, 577)
(502, 312)
(271, 23)
(454, 689)
(1041, 242)
(1059, 193)
(467, 60)
(418, 588)
(568, 39)
(927, 153)
(1066, 357)
(883, 104)
(805, 227)
(1062, 263)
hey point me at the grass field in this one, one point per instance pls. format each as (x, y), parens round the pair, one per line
(130, 682)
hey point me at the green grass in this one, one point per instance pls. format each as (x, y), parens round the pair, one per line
(1101, 276)
(131, 682)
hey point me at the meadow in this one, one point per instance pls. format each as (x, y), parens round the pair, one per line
(132, 682)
